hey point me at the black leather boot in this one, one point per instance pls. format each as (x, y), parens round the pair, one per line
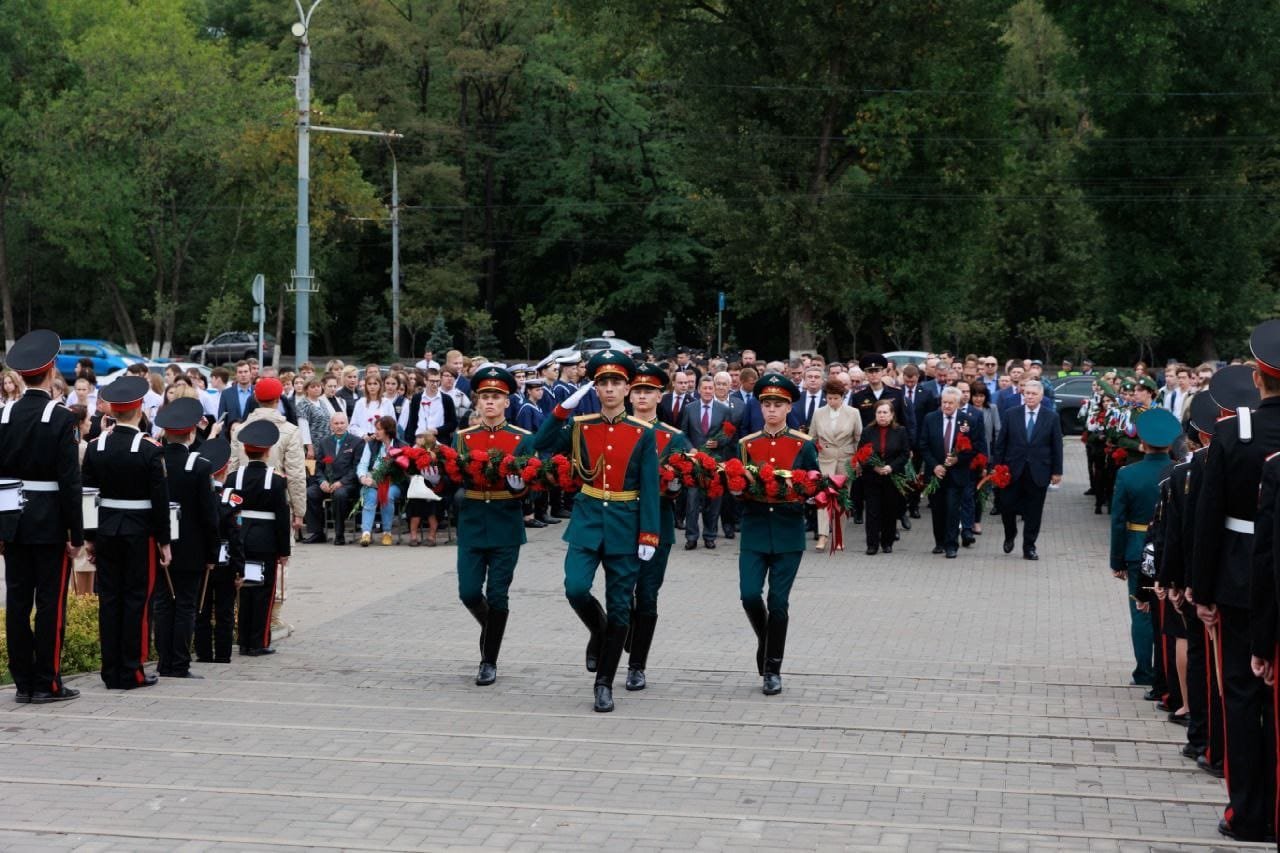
(642, 626)
(481, 613)
(758, 616)
(777, 644)
(493, 631)
(592, 615)
(610, 654)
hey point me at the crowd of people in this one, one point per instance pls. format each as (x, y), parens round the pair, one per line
(254, 461)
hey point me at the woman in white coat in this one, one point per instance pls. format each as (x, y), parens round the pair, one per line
(836, 429)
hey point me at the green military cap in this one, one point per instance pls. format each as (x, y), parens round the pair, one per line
(650, 376)
(1158, 427)
(777, 386)
(1145, 382)
(1106, 389)
(493, 378)
(610, 362)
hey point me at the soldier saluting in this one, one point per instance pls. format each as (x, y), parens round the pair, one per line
(127, 468)
(38, 447)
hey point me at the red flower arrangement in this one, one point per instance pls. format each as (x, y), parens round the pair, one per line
(979, 462)
(999, 477)
(1119, 456)
(735, 474)
(963, 444)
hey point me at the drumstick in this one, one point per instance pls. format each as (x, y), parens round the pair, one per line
(204, 587)
(169, 581)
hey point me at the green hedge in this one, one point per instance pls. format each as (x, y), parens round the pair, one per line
(81, 651)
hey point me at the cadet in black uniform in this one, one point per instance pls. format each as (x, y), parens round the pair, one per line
(264, 535)
(1221, 573)
(38, 447)
(127, 468)
(190, 478)
(217, 603)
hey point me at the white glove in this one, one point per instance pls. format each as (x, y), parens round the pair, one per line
(735, 492)
(515, 482)
(646, 552)
(575, 398)
(673, 486)
(431, 474)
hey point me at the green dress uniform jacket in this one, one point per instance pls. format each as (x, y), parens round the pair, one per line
(492, 519)
(1132, 507)
(669, 440)
(776, 528)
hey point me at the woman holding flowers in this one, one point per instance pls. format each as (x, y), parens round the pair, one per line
(777, 471)
(490, 514)
(835, 430)
(377, 495)
(880, 462)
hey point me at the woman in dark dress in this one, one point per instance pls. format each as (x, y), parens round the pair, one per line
(890, 445)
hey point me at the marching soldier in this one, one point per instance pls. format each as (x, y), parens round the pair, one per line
(38, 447)
(1221, 574)
(217, 604)
(615, 516)
(773, 539)
(264, 534)
(190, 480)
(490, 519)
(127, 467)
(646, 390)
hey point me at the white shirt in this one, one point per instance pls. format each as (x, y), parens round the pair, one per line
(430, 414)
(365, 416)
(427, 365)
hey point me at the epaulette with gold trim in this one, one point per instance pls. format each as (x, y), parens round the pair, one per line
(795, 433)
(518, 429)
(637, 421)
(747, 438)
(581, 419)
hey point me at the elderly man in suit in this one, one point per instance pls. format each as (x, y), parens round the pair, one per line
(948, 441)
(1030, 443)
(336, 461)
(700, 421)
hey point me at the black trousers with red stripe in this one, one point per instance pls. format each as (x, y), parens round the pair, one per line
(1201, 685)
(1251, 755)
(255, 608)
(36, 575)
(174, 614)
(126, 577)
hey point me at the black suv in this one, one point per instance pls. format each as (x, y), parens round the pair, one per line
(232, 346)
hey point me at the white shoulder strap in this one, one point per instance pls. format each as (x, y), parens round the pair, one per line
(192, 459)
(266, 483)
(102, 441)
(4, 415)
(137, 442)
(48, 411)
(1246, 424)
(240, 479)
(226, 496)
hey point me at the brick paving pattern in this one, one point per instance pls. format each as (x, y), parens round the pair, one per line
(929, 704)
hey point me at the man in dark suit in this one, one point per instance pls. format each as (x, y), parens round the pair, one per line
(336, 459)
(671, 406)
(873, 365)
(811, 399)
(917, 401)
(945, 455)
(237, 400)
(1030, 443)
(699, 421)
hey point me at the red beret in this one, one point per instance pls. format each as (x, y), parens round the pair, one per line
(268, 390)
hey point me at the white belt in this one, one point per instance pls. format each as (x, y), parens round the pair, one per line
(116, 503)
(1239, 525)
(41, 486)
(258, 514)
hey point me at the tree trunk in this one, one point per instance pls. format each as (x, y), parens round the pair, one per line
(1206, 345)
(123, 320)
(926, 336)
(6, 297)
(800, 328)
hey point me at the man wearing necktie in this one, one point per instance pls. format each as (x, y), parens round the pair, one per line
(945, 458)
(702, 419)
(1030, 443)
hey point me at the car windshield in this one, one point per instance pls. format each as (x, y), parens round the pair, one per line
(112, 349)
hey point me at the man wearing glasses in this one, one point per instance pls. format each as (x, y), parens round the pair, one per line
(990, 375)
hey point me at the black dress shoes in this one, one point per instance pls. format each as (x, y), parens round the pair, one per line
(888, 549)
(314, 539)
(857, 517)
(546, 519)
(257, 653)
(635, 679)
(1030, 555)
(1191, 751)
(872, 550)
(1150, 696)
(938, 549)
(533, 524)
(915, 513)
(22, 697)
(730, 532)
(187, 674)
(1008, 546)
(339, 540)
(967, 541)
(604, 699)
(562, 513)
(709, 544)
(905, 521)
(1178, 719)
(1213, 768)
(487, 675)
(691, 545)
(44, 697)
(951, 553)
(147, 681)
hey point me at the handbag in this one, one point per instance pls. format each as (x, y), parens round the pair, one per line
(419, 490)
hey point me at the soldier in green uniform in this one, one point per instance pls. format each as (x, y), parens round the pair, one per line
(615, 516)
(1137, 491)
(773, 535)
(490, 517)
(646, 390)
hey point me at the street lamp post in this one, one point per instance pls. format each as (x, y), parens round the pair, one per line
(303, 279)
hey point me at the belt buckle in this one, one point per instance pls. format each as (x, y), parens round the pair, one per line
(607, 494)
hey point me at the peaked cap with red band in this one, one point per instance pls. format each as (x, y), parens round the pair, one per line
(493, 378)
(125, 393)
(650, 376)
(1232, 388)
(258, 436)
(610, 362)
(34, 353)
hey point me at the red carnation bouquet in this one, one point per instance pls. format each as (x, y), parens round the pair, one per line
(395, 466)
(867, 459)
(696, 470)
(774, 485)
(488, 471)
(722, 436)
(962, 445)
(998, 477)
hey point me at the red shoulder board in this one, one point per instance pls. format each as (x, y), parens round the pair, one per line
(236, 500)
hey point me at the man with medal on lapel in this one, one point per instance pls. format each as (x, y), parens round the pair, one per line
(38, 447)
(615, 516)
(127, 468)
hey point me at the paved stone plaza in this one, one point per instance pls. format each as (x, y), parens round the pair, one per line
(929, 704)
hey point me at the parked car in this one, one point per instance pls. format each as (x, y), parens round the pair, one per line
(106, 356)
(231, 346)
(590, 346)
(903, 357)
(1069, 394)
(156, 367)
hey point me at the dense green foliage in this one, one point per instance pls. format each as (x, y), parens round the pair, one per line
(1040, 177)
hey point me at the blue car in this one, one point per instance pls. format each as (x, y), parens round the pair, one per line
(106, 356)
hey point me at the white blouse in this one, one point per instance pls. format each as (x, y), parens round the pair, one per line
(366, 415)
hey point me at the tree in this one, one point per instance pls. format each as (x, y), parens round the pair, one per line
(479, 333)
(372, 335)
(664, 342)
(440, 341)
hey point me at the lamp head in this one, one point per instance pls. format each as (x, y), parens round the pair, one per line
(298, 29)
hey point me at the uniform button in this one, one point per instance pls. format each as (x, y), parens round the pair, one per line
(610, 429)
(772, 459)
(486, 500)
(604, 503)
(770, 509)
(608, 447)
(773, 444)
(608, 467)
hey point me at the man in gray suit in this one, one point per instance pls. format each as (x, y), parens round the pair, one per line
(699, 421)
